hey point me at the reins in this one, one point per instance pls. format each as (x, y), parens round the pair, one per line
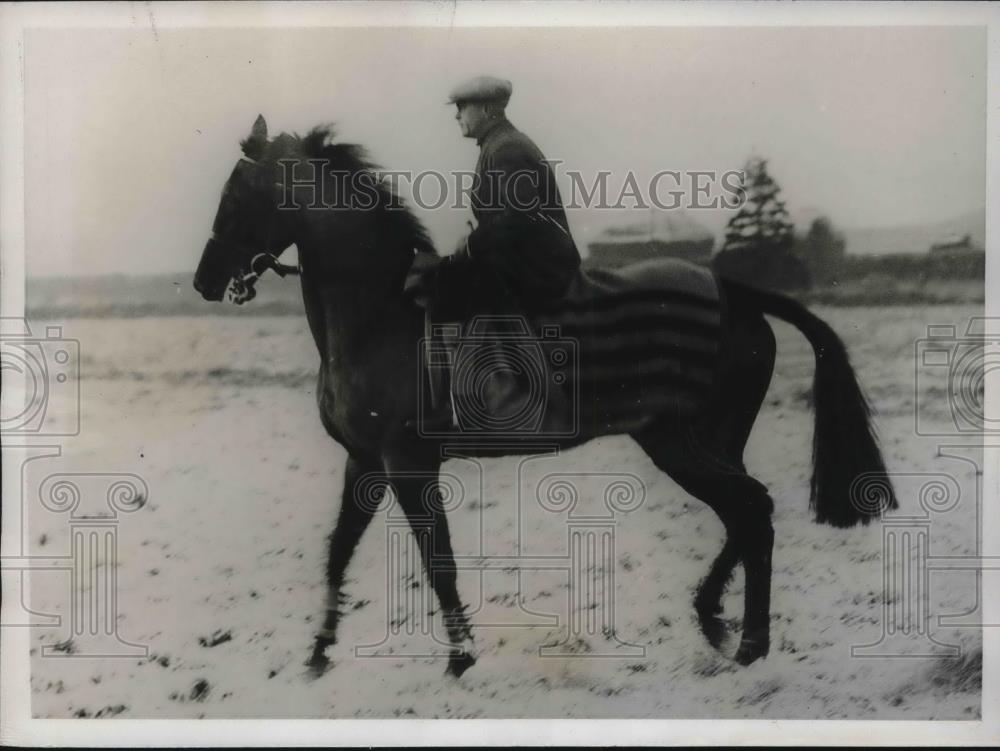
(241, 287)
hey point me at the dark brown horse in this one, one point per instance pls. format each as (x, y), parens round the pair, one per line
(355, 248)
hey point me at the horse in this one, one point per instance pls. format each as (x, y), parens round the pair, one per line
(355, 250)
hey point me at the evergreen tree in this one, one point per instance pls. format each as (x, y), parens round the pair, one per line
(763, 221)
(760, 238)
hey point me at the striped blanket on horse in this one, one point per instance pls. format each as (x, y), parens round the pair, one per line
(618, 349)
(648, 338)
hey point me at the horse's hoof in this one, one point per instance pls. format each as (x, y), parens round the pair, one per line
(317, 668)
(458, 662)
(751, 650)
(318, 664)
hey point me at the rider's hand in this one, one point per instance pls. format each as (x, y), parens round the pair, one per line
(419, 282)
(423, 262)
(462, 249)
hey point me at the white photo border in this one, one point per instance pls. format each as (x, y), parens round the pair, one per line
(16, 725)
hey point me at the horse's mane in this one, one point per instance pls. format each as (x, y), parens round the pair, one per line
(352, 158)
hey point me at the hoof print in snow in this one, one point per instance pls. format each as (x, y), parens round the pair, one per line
(199, 691)
(709, 666)
(108, 711)
(218, 637)
(154, 659)
(66, 647)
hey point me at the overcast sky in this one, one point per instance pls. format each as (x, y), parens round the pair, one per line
(130, 135)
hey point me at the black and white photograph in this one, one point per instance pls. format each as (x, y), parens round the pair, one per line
(433, 361)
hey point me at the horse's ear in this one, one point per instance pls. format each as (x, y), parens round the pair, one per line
(259, 129)
(254, 144)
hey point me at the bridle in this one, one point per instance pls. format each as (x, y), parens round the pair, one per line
(241, 286)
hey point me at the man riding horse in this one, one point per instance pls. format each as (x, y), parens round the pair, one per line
(661, 359)
(521, 255)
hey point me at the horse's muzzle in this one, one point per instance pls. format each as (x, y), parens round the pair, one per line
(214, 271)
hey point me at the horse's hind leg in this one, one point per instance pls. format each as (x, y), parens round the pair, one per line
(744, 507)
(757, 544)
(708, 600)
(706, 459)
(357, 506)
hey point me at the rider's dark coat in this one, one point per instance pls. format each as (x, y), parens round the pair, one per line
(521, 249)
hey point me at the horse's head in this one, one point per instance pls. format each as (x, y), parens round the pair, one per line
(359, 227)
(247, 226)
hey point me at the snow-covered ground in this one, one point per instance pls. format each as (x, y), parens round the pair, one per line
(220, 573)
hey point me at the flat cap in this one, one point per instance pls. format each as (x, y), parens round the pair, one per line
(482, 89)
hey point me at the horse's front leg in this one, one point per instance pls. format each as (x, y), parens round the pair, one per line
(357, 506)
(414, 475)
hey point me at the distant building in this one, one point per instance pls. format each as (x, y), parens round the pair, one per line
(955, 243)
(661, 233)
(955, 256)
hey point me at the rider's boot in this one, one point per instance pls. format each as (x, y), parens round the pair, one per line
(439, 415)
(439, 418)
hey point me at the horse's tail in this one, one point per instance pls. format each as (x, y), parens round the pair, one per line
(849, 482)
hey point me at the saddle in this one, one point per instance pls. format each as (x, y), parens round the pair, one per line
(618, 348)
